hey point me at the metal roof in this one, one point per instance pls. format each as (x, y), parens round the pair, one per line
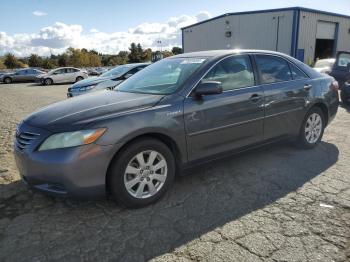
(269, 11)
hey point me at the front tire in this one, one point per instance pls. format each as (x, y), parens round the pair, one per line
(7, 80)
(79, 78)
(311, 131)
(48, 81)
(142, 173)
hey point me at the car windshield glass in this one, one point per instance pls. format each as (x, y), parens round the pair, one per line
(162, 77)
(117, 71)
(324, 63)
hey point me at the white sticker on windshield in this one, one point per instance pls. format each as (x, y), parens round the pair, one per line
(193, 61)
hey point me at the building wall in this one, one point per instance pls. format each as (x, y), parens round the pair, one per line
(249, 31)
(308, 29)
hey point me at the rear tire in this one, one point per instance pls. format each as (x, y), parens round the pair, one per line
(79, 78)
(312, 129)
(48, 81)
(7, 80)
(141, 173)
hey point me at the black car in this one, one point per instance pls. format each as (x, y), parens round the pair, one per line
(341, 72)
(175, 113)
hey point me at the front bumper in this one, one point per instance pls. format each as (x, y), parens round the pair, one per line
(77, 172)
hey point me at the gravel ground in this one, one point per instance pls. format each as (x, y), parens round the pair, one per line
(274, 204)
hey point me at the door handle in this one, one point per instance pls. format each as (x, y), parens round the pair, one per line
(307, 87)
(255, 98)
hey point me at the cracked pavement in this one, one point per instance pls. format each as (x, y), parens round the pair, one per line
(277, 203)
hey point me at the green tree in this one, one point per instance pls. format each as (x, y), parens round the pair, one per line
(63, 60)
(176, 50)
(34, 60)
(10, 61)
(47, 63)
(133, 56)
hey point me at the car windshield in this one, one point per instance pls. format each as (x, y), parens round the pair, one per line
(324, 63)
(162, 77)
(117, 71)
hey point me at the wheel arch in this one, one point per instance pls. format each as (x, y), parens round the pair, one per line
(166, 139)
(324, 109)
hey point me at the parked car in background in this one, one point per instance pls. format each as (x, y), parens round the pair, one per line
(22, 75)
(324, 65)
(108, 80)
(62, 75)
(341, 72)
(175, 113)
(96, 71)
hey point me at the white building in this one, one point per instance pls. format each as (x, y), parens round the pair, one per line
(306, 34)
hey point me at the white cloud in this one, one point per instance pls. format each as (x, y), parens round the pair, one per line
(59, 36)
(93, 30)
(39, 13)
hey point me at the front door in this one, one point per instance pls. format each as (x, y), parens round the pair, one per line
(223, 122)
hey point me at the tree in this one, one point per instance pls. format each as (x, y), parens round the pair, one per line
(136, 53)
(63, 60)
(176, 50)
(167, 53)
(47, 63)
(34, 60)
(147, 55)
(12, 62)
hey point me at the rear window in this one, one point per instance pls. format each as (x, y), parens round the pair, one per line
(273, 69)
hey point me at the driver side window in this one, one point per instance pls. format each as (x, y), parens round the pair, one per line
(233, 73)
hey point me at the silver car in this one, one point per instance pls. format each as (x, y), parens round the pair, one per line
(62, 75)
(108, 80)
(22, 75)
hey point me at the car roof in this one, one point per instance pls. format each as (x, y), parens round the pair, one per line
(217, 53)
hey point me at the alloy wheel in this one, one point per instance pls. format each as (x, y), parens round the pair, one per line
(145, 174)
(313, 128)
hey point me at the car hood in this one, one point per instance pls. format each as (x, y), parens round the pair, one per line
(80, 111)
(90, 81)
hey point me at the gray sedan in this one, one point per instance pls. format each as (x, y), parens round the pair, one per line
(22, 75)
(174, 114)
(108, 80)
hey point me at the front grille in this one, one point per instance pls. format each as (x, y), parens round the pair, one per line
(25, 139)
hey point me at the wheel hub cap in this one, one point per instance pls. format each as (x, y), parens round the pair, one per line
(145, 174)
(313, 128)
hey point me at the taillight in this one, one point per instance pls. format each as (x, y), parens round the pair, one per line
(334, 86)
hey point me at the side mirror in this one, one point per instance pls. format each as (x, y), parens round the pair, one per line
(205, 88)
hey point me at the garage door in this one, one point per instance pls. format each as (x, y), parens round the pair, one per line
(325, 30)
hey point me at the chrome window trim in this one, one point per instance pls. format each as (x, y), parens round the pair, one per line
(226, 57)
(262, 84)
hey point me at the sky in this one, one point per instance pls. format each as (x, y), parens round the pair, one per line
(45, 27)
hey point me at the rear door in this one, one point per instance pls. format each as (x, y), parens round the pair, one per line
(286, 90)
(233, 119)
(341, 68)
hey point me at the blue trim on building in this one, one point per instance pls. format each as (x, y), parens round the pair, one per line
(294, 29)
(269, 11)
(297, 33)
(336, 35)
(183, 41)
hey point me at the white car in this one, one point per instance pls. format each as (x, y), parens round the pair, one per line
(62, 75)
(324, 65)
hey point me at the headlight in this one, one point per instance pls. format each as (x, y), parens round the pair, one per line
(70, 139)
(86, 88)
